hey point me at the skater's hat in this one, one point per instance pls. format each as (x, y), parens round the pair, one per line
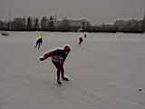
(67, 48)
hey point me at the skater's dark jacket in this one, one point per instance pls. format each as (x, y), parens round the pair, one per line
(57, 55)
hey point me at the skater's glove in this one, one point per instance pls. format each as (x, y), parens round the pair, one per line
(41, 59)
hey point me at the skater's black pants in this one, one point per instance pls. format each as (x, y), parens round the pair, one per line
(60, 70)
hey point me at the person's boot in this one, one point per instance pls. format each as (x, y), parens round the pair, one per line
(59, 82)
(65, 79)
(41, 59)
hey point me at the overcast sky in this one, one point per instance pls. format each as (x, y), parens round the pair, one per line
(98, 11)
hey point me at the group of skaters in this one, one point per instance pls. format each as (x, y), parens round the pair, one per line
(58, 56)
(81, 38)
(39, 40)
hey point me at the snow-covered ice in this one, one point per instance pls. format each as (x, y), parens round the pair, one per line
(106, 72)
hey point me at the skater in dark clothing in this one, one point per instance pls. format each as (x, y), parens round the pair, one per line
(58, 57)
(39, 41)
(85, 35)
(80, 40)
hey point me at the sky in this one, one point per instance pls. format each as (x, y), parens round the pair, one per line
(97, 11)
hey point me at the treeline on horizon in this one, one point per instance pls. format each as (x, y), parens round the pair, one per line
(68, 25)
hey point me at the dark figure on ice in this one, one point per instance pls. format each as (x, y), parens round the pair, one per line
(85, 35)
(80, 40)
(39, 41)
(58, 57)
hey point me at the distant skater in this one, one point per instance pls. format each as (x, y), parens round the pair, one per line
(85, 35)
(39, 41)
(80, 40)
(58, 57)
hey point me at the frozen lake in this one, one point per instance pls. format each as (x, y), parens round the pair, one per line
(106, 72)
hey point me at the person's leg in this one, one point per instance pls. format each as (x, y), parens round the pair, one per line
(36, 44)
(62, 74)
(58, 76)
(39, 43)
(79, 42)
(58, 71)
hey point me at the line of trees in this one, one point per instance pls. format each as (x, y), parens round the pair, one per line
(68, 25)
(28, 24)
(43, 24)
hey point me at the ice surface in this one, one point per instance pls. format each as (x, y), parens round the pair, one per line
(106, 72)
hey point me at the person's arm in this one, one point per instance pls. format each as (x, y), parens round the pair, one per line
(46, 55)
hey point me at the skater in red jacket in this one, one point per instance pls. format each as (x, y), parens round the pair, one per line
(58, 57)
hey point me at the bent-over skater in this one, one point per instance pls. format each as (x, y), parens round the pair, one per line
(58, 57)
